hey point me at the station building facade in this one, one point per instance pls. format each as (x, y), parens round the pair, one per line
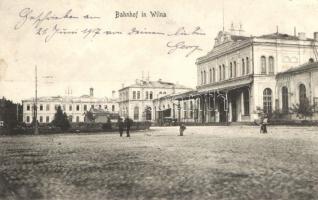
(136, 101)
(244, 75)
(74, 107)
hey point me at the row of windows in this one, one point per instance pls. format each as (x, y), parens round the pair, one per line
(148, 113)
(267, 68)
(47, 119)
(148, 94)
(70, 107)
(232, 71)
(302, 97)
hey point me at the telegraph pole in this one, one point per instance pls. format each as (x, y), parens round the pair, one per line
(36, 128)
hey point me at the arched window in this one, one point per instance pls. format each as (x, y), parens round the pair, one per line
(243, 66)
(210, 75)
(267, 101)
(150, 95)
(223, 72)
(134, 94)
(201, 77)
(220, 73)
(136, 113)
(148, 113)
(263, 65)
(231, 75)
(147, 95)
(234, 69)
(204, 79)
(285, 99)
(213, 72)
(271, 65)
(302, 94)
(247, 66)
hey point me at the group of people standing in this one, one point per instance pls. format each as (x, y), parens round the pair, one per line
(124, 124)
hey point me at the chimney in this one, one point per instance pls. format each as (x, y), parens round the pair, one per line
(113, 94)
(316, 36)
(302, 36)
(91, 92)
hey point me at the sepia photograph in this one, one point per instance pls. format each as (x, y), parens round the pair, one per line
(141, 99)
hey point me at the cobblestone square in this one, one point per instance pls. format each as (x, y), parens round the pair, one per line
(212, 162)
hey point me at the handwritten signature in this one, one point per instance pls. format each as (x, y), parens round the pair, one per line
(27, 14)
(48, 25)
(174, 46)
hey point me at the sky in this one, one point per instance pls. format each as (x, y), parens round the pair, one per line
(106, 62)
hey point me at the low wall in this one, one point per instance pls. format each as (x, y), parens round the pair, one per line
(75, 128)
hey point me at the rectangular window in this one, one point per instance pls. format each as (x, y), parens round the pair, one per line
(185, 110)
(134, 94)
(138, 95)
(247, 66)
(316, 103)
(113, 108)
(47, 107)
(28, 119)
(47, 119)
(56, 106)
(41, 107)
(150, 95)
(246, 98)
(41, 119)
(28, 107)
(77, 107)
(85, 107)
(70, 108)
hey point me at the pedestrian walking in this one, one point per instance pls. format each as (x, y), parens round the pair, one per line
(181, 129)
(120, 126)
(128, 123)
(265, 122)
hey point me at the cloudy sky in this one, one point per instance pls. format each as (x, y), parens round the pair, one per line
(105, 62)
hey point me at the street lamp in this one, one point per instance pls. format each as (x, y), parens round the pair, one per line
(36, 127)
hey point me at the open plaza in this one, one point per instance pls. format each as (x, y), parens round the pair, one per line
(208, 162)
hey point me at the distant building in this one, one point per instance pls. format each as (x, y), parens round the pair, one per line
(136, 100)
(75, 107)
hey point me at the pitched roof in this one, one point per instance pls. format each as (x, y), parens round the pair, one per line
(83, 98)
(300, 68)
(156, 84)
(283, 36)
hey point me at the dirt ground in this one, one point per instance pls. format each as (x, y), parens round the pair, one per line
(216, 162)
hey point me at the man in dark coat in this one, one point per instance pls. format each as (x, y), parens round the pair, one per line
(120, 126)
(128, 123)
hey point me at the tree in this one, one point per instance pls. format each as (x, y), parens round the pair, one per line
(10, 113)
(89, 116)
(60, 119)
(304, 109)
